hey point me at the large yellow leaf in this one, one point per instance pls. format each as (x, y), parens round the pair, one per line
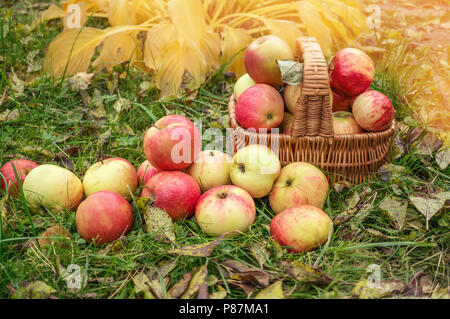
(188, 18)
(210, 45)
(315, 27)
(286, 30)
(116, 49)
(121, 12)
(235, 40)
(53, 12)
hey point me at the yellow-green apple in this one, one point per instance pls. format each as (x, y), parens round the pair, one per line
(341, 102)
(260, 107)
(373, 111)
(53, 188)
(55, 236)
(351, 72)
(146, 171)
(291, 94)
(174, 191)
(260, 59)
(8, 179)
(344, 123)
(299, 183)
(172, 143)
(211, 168)
(255, 167)
(286, 125)
(242, 84)
(302, 228)
(104, 217)
(225, 209)
(113, 174)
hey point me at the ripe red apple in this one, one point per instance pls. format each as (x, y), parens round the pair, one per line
(146, 171)
(113, 174)
(261, 57)
(211, 168)
(260, 106)
(286, 125)
(53, 188)
(8, 179)
(224, 209)
(299, 183)
(341, 102)
(303, 228)
(175, 192)
(351, 72)
(55, 236)
(344, 123)
(172, 143)
(103, 217)
(373, 111)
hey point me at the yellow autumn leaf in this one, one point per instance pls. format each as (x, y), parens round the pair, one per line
(121, 12)
(274, 291)
(53, 12)
(235, 40)
(117, 49)
(188, 18)
(284, 29)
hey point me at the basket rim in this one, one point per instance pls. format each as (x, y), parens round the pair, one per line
(235, 125)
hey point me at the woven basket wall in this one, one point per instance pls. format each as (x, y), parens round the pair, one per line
(351, 157)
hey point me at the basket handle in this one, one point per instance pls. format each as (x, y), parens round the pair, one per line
(313, 114)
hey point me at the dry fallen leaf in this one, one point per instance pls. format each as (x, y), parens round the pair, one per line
(260, 254)
(34, 290)
(305, 273)
(179, 287)
(443, 158)
(9, 115)
(159, 224)
(198, 279)
(242, 272)
(364, 290)
(274, 291)
(221, 293)
(429, 205)
(396, 208)
(291, 72)
(198, 250)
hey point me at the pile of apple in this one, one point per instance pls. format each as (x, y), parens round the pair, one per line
(182, 180)
(260, 105)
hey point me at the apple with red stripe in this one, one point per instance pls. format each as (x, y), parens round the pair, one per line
(146, 171)
(103, 217)
(8, 179)
(225, 209)
(172, 143)
(174, 191)
(373, 111)
(302, 228)
(344, 123)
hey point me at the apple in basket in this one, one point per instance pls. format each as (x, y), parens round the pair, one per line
(299, 183)
(255, 167)
(291, 94)
(260, 59)
(286, 125)
(341, 102)
(174, 191)
(260, 107)
(172, 143)
(211, 168)
(53, 188)
(302, 228)
(113, 174)
(344, 123)
(103, 217)
(8, 179)
(225, 209)
(242, 84)
(351, 72)
(373, 111)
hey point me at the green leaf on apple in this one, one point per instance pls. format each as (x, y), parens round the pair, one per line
(291, 72)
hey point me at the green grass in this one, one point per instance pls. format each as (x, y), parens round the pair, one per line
(53, 119)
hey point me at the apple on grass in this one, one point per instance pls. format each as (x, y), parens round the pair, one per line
(146, 171)
(242, 84)
(260, 107)
(172, 143)
(299, 183)
(113, 174)
(344, 123)
(351, 72)
(8, 179)
(224, 209)
(104, 217)
(211, 168)
(373, 111)
(53, 188)
(175, 192)
(302, 228)
(260, 59)
(55, 236)
(255, 167)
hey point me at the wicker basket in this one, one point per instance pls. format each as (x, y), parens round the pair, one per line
(351, 157)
